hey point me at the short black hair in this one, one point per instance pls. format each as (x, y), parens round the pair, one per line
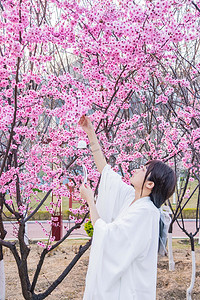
(164, 179)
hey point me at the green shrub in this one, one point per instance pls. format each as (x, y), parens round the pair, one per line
(89, 228)
(45, 215)
(189, 213)
(36, 190)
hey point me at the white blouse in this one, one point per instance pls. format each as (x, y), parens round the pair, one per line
(123, 256)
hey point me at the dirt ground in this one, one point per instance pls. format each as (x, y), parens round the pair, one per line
(170, 285)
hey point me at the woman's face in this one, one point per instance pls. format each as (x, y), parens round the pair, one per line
(138, 176)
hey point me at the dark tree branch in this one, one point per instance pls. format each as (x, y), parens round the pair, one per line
(195, 5)
(45, 251)
(14, 119)
(82, 250)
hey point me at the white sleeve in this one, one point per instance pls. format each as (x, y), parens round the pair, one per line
(113, 250)
(113, 193)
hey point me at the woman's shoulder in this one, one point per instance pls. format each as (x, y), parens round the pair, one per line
(146, 207)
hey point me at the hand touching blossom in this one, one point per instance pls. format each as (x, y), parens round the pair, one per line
(86, 124)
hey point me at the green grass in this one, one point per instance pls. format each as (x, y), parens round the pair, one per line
(40, 195)
(42, 212)
(65, 201)
(193, 201)
(184, 244)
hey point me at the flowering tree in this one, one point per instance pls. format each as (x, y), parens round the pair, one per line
(133, 67)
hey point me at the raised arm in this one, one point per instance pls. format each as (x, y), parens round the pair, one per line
(99, 158)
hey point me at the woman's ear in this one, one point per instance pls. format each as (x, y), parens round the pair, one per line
(150, 185)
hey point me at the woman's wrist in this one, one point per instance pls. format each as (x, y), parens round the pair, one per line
(95, 147)
(90, 201)
(93, 213)
(94, 143)
(91, 133)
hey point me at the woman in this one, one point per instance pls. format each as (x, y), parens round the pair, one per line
(123, 257)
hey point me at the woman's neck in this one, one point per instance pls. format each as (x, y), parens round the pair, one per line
(139, 195)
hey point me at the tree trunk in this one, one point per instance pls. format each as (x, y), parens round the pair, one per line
(2, 236)
(170, 250)
(2, 276)
(189, 290)
(22, 265)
